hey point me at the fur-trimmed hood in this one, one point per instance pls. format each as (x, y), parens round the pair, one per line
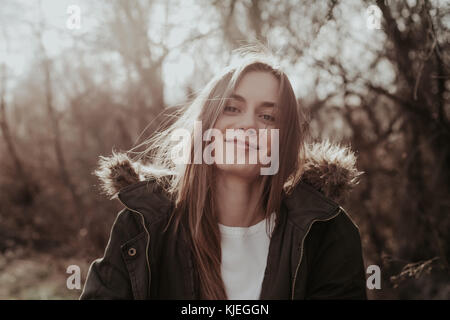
(329, 168)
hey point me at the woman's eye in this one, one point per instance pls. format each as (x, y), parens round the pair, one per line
(231, 109)
(268, 117)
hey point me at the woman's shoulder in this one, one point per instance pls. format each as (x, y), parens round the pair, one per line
(144, 212)
(327, 177)
(135, 185)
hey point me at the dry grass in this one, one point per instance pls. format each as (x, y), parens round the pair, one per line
(26, 276)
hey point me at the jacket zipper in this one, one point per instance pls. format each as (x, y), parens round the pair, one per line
(148, 240)
(301, 247)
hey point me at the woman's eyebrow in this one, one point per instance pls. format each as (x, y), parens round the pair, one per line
(242, 99)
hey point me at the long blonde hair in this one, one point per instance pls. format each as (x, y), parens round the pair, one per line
(191, 186)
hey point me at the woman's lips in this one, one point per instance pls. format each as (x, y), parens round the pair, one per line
(242, 144)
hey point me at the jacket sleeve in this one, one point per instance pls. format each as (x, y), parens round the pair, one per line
(107, 276)
(336, 261)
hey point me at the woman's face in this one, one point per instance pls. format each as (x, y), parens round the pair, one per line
(251, 106)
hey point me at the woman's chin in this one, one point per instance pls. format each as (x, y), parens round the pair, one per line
(249, 171)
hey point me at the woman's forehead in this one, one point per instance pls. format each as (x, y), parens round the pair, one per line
(258, 87)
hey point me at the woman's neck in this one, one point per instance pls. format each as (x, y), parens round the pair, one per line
(238, 201)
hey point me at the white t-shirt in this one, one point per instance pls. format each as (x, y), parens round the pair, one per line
(244, 258)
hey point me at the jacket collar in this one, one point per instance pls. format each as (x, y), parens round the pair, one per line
(145, 197)
(305, 204)
(328, 175)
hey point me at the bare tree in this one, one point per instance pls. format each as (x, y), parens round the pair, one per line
(27, 195)
(66, 179)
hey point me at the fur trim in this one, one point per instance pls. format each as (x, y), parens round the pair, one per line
(329, 168)
(116, 172)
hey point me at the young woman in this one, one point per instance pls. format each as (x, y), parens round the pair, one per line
(209, 228)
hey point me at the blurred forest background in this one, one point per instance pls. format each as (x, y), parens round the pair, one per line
(70, 95)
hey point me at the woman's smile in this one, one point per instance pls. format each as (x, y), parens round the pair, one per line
(242, 144)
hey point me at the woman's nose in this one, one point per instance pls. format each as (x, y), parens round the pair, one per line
(246, 122)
